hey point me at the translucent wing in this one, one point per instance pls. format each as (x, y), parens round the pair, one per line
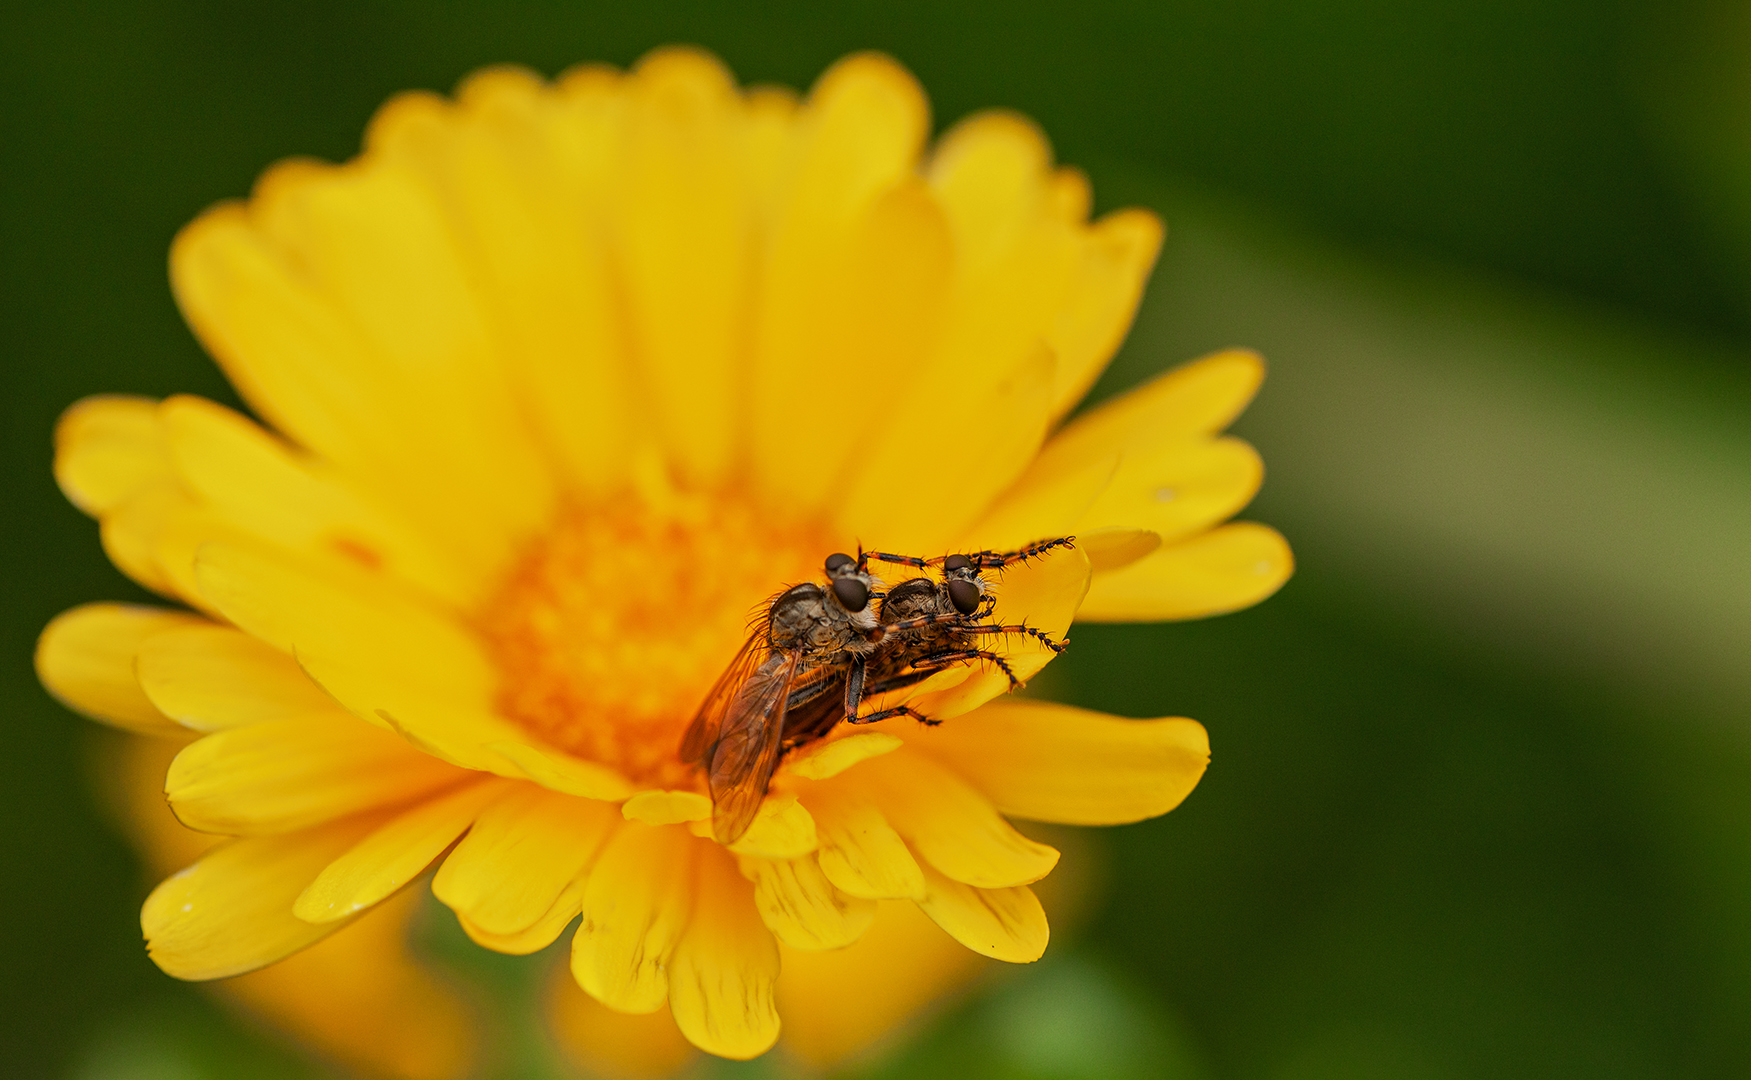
(747, 746)
(702, 733)
(816, 703)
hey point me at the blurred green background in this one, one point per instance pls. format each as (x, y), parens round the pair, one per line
(1481, 797)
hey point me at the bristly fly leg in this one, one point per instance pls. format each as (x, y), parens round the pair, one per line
(997, 560)
(914, 561)
(950, 657)
(980, 560)
(898, 710)
(1019, 628)
(924, 668)
(959, 621)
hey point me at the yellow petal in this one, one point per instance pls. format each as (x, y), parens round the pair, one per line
(1140, 462)
(131, 532)
(637, 903)
(249, 480)
(1014, 259)
(667, 807)
(107, 448)
(231, 912)
(539, 935)
(1070, 195)
(521, 854)
(860, 852)
(283, 348)
(950, 823)
(802, 908)
(210, 677)
(389, 659)
(284, 775)
(373, 244)
(334, 308)
(1055, 763)
(1004, 924)
(1045, 501)
(1118, 253)
(769, 140)
(991, 171)
(783, 829)
(682, 241)
(394, 853)
(520, 169)
(1116, 546)
(856, 265)
(85, 657)
(359, 997)
(830, 757)
(902, 965)
(171, 531)
(613, 1045)
(722, 974)
(1198, 398)
(324, 613)
(445, 729)
(562, 772)
(1176, 489)
(1224, 570)
(940, 504)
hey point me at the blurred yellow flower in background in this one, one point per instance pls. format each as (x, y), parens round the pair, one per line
(562, 379)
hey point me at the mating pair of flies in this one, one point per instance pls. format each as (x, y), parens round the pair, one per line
(817, 651)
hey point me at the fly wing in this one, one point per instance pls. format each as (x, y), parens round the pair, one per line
(816, 703)
(747, 748)
(702, 733)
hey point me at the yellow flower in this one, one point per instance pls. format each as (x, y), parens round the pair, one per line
(562, 380)
(358, 997)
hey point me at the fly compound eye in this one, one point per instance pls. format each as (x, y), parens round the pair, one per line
(957, 562)
(852, 594)
(964, 595)
(839, 562)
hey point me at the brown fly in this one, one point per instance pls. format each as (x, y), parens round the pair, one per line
(807, 635)
(816, 652)
(926, 625)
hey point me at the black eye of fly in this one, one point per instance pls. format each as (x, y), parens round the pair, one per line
(964, 595)
(957, 562)
(839, 561)
(853, 595)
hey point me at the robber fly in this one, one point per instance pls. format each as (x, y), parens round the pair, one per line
(932, 625)
(807, 635)
(807, 665)
(925, 626)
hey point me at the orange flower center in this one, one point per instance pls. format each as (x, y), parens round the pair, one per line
(614, 625)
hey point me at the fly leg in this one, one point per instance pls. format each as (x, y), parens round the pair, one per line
(997, 560)
(925, 667)
(1019, 628)
(948, 658)
(918, 623)
(883, 686)
(981, 560)
(898, 560)
(898, 710)
(854, 687)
